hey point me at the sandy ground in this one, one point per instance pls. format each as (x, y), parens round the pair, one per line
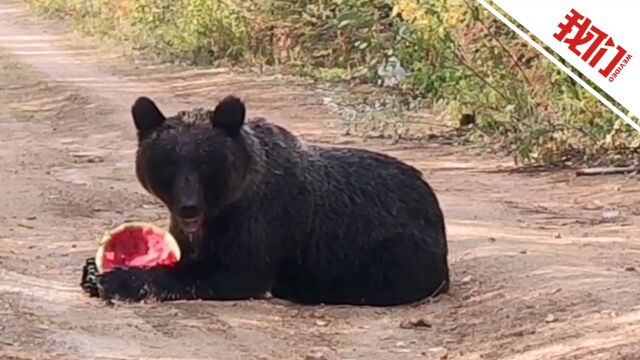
(544, 265)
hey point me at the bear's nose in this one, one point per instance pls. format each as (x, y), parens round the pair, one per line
(189, 211)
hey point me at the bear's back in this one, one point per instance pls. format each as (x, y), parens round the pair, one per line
(338, 192)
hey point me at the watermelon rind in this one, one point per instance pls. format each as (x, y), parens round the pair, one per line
(102, 242)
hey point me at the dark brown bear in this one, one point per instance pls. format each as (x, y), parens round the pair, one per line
(257, 211)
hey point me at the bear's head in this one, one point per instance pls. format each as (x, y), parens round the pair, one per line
(195, 162)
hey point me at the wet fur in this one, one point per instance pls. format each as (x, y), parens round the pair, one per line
(306, 223)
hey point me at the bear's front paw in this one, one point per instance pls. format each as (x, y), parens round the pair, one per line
(125, 284)
(89, 282)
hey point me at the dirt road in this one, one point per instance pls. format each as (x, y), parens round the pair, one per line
(545, 266)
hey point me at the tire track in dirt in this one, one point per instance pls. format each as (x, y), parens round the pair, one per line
(48, 314)
(515, 259)
(136, 331)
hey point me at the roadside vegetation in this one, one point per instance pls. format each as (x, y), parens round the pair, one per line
(449, 58)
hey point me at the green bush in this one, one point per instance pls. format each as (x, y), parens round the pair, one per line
(454, 53)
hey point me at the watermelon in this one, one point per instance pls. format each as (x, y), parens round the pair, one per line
(136, 244)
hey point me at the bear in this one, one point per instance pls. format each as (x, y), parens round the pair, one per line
(258, 212)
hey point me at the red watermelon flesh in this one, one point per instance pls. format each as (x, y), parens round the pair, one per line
(137, 245)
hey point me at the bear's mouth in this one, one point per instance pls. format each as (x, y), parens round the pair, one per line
(191, 225)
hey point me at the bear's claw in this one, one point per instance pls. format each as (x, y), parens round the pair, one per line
(89, 281)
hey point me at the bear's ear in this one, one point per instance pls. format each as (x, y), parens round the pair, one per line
(146, 115)
(229, 115)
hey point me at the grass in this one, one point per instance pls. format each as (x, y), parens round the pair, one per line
(457, 60)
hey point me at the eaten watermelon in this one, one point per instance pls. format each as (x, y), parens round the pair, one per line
(136, 244)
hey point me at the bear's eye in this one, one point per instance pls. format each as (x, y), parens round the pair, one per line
(169, 167)
(203, 169)
(162, 173)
